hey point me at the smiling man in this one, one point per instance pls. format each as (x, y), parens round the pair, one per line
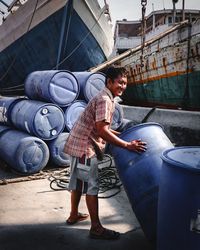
(85, 144)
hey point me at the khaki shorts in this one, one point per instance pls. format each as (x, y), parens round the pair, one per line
(84, 175)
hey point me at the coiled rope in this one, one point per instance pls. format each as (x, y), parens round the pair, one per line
(108, 179)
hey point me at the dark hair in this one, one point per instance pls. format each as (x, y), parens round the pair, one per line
(114, 71)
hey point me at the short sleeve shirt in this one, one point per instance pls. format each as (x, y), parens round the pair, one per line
(100, 108)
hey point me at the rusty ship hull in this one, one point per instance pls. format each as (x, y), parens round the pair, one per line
(166, 72)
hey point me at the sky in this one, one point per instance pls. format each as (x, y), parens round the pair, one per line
(131, 9)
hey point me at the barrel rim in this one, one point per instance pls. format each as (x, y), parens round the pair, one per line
(6, 128)
(78, 87)
(41, 145)
(34, 131)
(69, 108)
(140, 125)
(174, 163)
(89, 97)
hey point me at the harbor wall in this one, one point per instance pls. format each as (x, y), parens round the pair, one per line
(182, 127)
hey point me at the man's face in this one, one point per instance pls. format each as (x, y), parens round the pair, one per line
(117, 86)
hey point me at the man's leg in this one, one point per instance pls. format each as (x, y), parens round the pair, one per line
(75, 199)
(93, 208)
(97, 231)
(75, 216)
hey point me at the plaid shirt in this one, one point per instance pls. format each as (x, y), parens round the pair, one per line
(100, 108)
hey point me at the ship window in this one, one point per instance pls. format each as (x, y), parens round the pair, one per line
(169, 19)
(177, 19)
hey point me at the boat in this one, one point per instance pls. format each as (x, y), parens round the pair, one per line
(36, 35)
(164, 67)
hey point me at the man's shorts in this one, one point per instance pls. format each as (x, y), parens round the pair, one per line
(84, 175)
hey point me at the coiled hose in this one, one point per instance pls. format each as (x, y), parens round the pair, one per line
(108, 179)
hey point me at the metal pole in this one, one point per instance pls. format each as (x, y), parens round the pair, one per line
(183, 10)
(174, 12)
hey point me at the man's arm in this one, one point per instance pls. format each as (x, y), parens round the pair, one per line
(107, 134)
(115, 132)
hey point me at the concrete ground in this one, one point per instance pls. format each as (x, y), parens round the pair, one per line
(32, 217)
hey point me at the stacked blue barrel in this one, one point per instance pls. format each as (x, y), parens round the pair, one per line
(53, 102)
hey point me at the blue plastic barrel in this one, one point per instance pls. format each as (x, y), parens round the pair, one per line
(45, 120)
(179, 200)
(72, 113)
(117, 117)
(6, 104)
(22, 152)
(4, 129)
(56, 86)
(140, 172)
(56, 146)
(90, 84)
(124, 125)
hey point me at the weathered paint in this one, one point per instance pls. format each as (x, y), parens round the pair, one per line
(168, 72)
(168, 92)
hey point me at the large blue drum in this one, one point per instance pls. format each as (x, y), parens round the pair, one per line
(4, 129)
(56, 86)
(44, 120)
(72, 113)
(117, 117)
(56, 146)
(179, 200)
(22, 152)
(6, 105)
(90, 84)
(140, 172)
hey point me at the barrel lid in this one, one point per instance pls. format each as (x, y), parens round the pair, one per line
(48, 121)
(187, 157)
(95, 83)
(73, 112)
(33, 155)
(117, 116)
(63, 88)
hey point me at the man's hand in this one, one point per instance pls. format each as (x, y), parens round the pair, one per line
(136, 145)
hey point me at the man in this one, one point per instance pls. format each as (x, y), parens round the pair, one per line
(86, 139)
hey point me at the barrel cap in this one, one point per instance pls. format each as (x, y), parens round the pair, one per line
(187, 157)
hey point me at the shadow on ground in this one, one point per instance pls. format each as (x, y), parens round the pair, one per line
(61, 236)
